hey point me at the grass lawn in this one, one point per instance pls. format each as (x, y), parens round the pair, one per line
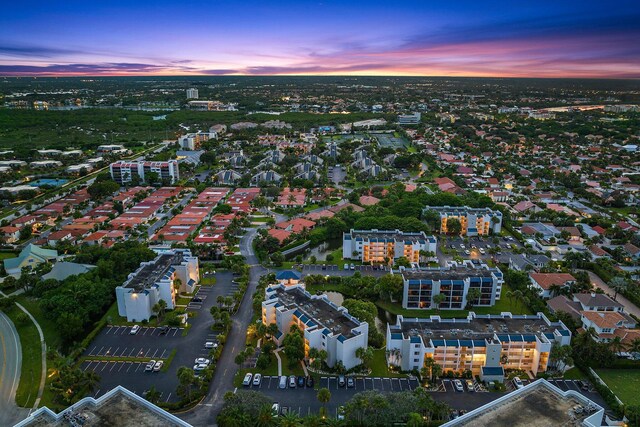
(6, 255)
(271, 370)
(339, 261)
(501, 305)
(49, 328)
(208, 281)
(625, 383)
(31, 359)
(379, 366)
(574, 374)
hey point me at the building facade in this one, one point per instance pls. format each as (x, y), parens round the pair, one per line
(474, 221)
(475, 343)
(421, 285)
(325, 326)
(156, 280)
(192, 93)
(385, 246)
(126, 172)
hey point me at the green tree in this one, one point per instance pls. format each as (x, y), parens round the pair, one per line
(293, 345)
(454, 226)
(324, 396)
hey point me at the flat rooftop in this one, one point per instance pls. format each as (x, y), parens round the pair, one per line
(150, 273)
(119, 410)
(388, 235)
(463, 209)
(319, 310)
(452, 273)
(536, 408)
(478, 328)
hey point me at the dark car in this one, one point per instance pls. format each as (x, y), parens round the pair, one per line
(301, 381)
(310, 381)
(163, 329)
(196, 299)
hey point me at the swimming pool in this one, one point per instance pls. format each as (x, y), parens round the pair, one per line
(48, 181)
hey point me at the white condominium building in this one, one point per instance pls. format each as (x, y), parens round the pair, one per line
(325, 325)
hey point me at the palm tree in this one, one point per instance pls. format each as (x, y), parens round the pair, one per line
(265, 417)
(634, 346)
(290, 419)
(324, 396)
(439, 299)
(220, 300)
(616, 345)
(365, 355)
(152, 395)
(472, 296)
(618, 284)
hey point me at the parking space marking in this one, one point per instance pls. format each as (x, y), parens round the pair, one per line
(92, 350)
(87, 367)
(133, 349)
(105, 365)
(138, 367)
(130, 366)
(399, 383)
(114, 365)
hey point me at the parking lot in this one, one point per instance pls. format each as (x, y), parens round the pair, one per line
(474, 246)
(338, 270)
(116, 342)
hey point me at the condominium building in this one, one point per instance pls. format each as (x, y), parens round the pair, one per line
(125, 172)
(421, 285)
(192, 141)
(474, 221)
(325, 325)
(385, 246)
(483, 344)
(192, 93)
(409, 119)
(162, 278)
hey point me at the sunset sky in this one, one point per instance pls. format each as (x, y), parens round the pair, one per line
(217, 37)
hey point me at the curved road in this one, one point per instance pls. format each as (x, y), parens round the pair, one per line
(10, 364)
(205, 413)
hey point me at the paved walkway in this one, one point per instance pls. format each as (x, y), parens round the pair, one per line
(629, 307)
(277, 354)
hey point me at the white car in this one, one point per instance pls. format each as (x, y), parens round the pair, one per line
(458, 385)
(247, 379)
(210, 344)
(158, 366)
(202, 361)
(257, 378)
(467, 252)
(150, 365)
(135, 329)
(199, 367)
(518, 382)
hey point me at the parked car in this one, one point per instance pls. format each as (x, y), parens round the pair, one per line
(341, 413)
(158, 366)
(350, 382)
(163, 329)
(257, 379)
(467, 252)
(482, 251)
(301, 381)
(275, 409)
(199, 367)
(135, 329)
(470, 385)
(458, 385)
(283, 382)
(324, 266)
(247, 379)
(352, 267)
(210, 344)
(346, 266)
(202, 361)
(196, 299)
(150, 365)
(310, 381)
(292, 381)
(518, 382)
(341, 381)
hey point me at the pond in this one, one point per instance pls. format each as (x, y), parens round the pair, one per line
(384, 317)
(323, 249)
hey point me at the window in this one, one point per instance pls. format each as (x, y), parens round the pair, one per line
(416, 353)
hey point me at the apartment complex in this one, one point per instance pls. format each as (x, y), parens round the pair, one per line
(156, 280)
(325, 325)
(385, 246)
(126, 172)
(192, 141)
(421, 285)
(474, 221)
(192, 93)
(409, 119)
(483, 344)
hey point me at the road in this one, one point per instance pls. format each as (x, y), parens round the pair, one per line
(10, 364)
(205, 413)
(629, 307)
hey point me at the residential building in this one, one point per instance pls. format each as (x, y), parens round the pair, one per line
(154, 281)
(524, 262)
(545, 283)
(325, 325)
(31, 256)
(482, 344)
(269, 176)
(127, 172)
(192, 141)
(540, 399)
(61, 270)
(118, 406)
(607, 324)
(420, 285)
(474, 221)
(111, 149)
(385, 246)
(409, 119)
(192, 93)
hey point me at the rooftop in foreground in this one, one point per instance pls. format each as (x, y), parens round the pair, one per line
(119, 407)
(539, 404)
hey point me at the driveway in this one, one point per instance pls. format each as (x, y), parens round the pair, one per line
(629, 307)
(10, 364)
